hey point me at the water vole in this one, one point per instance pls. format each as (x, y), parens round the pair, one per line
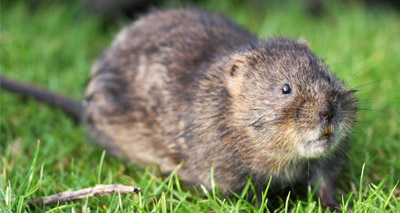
(188, 86)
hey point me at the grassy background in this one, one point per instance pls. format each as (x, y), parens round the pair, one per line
(55, 44)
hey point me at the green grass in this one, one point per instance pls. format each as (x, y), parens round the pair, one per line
(54, 46)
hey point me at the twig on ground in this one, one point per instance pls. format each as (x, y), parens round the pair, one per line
(98, 190)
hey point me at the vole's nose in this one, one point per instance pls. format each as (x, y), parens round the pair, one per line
(327, 115)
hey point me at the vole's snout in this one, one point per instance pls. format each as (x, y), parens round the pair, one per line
(328, 112)
(327, 115)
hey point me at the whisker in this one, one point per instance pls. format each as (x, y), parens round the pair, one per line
(374, 82)
(258, 118)
(367, 84)
(374, 110)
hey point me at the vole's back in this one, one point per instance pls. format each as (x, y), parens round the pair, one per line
(139, 89)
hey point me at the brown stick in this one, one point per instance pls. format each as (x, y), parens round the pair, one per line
(98, 190)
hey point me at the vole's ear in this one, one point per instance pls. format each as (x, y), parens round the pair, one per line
(235, 72)
(235, 81)
(235, 67)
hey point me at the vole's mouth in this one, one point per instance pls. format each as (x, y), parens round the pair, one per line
(327, 133)
(319, 145)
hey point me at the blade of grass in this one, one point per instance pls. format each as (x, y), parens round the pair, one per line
(360, 190)
(390, 195)
(264, 200)
(103, 154)
(28, 177)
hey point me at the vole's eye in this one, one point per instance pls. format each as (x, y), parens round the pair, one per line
(286, 89)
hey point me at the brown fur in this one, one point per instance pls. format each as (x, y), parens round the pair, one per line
(188, 86)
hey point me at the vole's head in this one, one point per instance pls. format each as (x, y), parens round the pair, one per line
(287, 101)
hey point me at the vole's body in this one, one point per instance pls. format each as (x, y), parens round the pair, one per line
(141, 93)
(188, 86)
